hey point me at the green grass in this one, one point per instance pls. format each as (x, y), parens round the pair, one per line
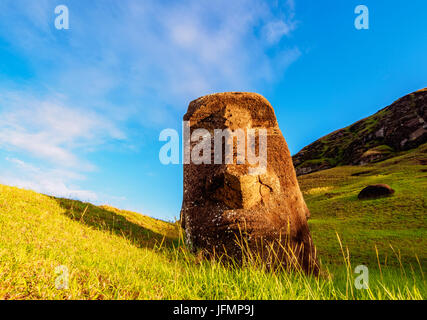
(396, 223)
(114, 254)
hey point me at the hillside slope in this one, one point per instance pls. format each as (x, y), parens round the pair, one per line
(114, 254)
(394, 225)
(398, 127)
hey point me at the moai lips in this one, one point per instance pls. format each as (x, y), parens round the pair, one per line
(229, 195)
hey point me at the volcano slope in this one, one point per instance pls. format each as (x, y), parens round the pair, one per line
(399, 127)
(116, 254)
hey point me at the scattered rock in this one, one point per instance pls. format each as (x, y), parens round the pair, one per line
(224, 202)
(375, 191)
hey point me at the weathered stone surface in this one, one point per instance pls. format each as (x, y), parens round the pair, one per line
(222, 201)
(375, 191)
(400, 126)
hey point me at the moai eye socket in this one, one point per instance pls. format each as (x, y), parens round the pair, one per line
(214, 183)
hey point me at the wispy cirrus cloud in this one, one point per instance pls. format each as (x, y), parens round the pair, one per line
(165, 52)
(55, 137)
(283, 24)
(50, 130)
(54, 182)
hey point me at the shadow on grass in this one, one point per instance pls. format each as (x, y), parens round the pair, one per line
(105, 219)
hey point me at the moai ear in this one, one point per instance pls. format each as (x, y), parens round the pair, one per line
(269, 186)
(270, 180)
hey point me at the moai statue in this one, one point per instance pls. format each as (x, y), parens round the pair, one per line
(240, 186)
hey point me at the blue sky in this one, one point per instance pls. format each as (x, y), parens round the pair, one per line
(81, 109)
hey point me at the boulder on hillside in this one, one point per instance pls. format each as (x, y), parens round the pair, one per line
(228, 201)
(375, 191)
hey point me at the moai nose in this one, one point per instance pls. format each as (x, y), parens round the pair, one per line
(239, 191)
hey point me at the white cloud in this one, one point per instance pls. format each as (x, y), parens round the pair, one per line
(161, 53)
(53, 182)
(282, 25)
(50, 130)
(47, 129)
(275, 30)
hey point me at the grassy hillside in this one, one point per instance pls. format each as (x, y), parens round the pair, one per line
(394, 225)
(114, 254)
(395, 128)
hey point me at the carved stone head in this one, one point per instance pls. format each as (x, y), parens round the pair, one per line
(239, 176)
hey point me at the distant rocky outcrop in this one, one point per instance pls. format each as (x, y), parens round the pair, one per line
(398, 127)
(225, 202)
(375, 191)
